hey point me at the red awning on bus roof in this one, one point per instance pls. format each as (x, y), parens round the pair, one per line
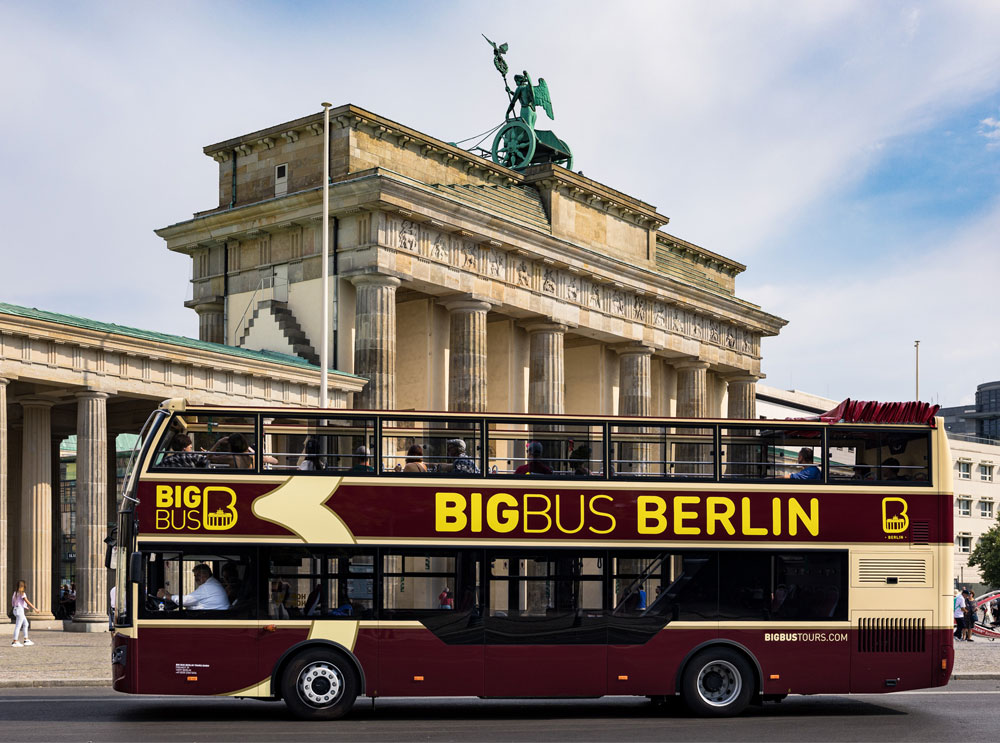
(860, 411)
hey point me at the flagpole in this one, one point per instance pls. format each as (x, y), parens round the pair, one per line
(324, 357)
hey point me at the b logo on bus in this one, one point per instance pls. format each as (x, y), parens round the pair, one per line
(898, 521)
(190, 507)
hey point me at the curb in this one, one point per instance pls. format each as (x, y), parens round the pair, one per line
(974, 675)
(43, 683)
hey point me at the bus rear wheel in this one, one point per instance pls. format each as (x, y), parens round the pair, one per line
(319, 685)
(717, 682)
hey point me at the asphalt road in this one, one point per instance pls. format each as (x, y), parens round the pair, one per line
(87, 714)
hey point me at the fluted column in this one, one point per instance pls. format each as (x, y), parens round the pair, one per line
(4, 545)
(211, 322)
(36, 504)
(375, 340)
(91, 506)
(467, 355)
(692, 388)
(635, 386)
(546, 371)
(14, 535)
(742, 396)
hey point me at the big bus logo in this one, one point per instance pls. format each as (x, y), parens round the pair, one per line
(894, 518)
(193, 508)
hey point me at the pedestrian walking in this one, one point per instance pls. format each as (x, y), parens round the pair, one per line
(20, 600)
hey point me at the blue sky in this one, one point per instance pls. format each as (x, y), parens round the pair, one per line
(847, 152)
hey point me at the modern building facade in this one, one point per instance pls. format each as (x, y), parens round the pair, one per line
(461, 285)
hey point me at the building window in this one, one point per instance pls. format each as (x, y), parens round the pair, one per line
(964, 542)
(281, 179)
(986, 509)
(986, 472)
(965, 470)
(964, 506)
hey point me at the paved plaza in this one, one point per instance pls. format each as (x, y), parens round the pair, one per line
(84, 659)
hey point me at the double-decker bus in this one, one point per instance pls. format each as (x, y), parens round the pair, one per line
(318, 555)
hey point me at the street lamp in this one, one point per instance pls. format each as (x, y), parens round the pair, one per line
(916, 346)
(324, 357)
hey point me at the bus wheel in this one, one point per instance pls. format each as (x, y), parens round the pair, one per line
(319, 685)
(717, 682)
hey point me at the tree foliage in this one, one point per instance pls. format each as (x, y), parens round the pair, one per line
(987, 556)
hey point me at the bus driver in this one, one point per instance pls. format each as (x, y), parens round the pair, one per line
(208, 592)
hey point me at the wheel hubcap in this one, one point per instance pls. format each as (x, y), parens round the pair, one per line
(719, 683)
(320, 684)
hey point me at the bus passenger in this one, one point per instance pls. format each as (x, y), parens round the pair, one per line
(810, 472)
(310, 461)
(461, 463)
(890, 470)
(415, 459)
(183, 454)
(361, 456)
(534, 465)
(579, 458)
(208, 593)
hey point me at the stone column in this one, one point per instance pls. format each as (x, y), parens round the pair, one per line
(4, 546)
(742, 396)
(57, 520)
(467, 355)
(211, 321)
(635, 387)
(375, 340)
(635, 394)
(91, 507)
(692, 402)
(692, 388)
(14, 536)
(546, 375)
(36, 504)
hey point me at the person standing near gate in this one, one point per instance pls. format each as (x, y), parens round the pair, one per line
(19, 601)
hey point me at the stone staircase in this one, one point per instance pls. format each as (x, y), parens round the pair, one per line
(288, 325)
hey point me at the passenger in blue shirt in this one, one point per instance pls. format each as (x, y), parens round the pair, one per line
(810, 472)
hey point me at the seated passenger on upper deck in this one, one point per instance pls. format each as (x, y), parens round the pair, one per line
(461, 463)
(183, 454)
(534, 465)
(811, 472)
(361, 456)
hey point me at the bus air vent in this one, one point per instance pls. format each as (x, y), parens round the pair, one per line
(920, 532)
(880, 570)
(891, 635)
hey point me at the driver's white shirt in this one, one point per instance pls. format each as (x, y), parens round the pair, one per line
(209, 595)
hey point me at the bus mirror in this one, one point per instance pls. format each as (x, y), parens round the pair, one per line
(111, 549)
(135, 567)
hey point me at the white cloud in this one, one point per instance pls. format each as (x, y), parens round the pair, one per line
(990, 128)
(854, 338)
(732, 117)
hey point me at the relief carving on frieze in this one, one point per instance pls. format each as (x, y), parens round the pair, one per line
(549, 281)
(408, 236)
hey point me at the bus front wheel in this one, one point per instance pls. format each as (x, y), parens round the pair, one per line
(319, 685)
(717, 682)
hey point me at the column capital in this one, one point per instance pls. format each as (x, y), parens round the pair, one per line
(741, 378)
(374, 279)
(35, 402)
(636, 347)
(690, 364)
(92, 395)
(544, 326)
(466, 303)
(4, 381)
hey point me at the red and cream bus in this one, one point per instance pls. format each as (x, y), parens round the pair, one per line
(315, 556)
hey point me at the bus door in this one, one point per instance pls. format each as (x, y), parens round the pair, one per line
(545, 626)
(206, 641)
(430, 627)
